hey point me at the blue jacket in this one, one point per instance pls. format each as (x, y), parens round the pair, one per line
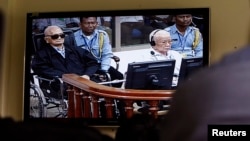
(93, 46)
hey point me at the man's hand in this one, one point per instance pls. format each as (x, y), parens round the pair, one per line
(85, 76)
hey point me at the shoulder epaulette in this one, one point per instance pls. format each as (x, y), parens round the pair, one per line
(196, 37)
(101, 40)
(101, 31)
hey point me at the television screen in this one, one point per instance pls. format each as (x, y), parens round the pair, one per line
(128, 32)
(153, 75)
(188, 67)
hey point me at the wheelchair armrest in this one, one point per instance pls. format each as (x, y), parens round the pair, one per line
(49, 79)
(45, 79)
(116, 58)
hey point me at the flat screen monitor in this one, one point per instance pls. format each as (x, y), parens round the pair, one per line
(122, 40)
(188, 67)
(153, 75)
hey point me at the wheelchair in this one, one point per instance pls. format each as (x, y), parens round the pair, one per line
(37, 102)
(42, 105)
(45, 102)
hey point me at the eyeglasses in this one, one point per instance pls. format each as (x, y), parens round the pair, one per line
(56, 36)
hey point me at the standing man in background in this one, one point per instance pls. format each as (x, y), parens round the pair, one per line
(186, 39)
(98, 43)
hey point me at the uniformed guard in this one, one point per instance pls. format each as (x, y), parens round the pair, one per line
(98, 43)
(186, 39)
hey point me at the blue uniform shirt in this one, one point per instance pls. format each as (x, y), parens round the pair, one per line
(92, 44)
(184, 43)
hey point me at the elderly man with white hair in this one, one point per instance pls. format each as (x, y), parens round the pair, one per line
(160, 41)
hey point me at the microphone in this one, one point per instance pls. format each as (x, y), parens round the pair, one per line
(152, 52)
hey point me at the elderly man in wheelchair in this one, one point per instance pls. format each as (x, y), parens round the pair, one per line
(56, 58)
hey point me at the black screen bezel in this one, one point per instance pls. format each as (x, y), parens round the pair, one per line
(188, 67)
(140, 71)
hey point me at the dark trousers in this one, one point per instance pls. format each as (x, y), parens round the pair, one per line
(53, 89)
(114, 75)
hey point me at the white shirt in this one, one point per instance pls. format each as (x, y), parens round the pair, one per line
(60, 50)
(158, 56)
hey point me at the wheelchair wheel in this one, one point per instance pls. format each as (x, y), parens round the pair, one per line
(37, 102)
